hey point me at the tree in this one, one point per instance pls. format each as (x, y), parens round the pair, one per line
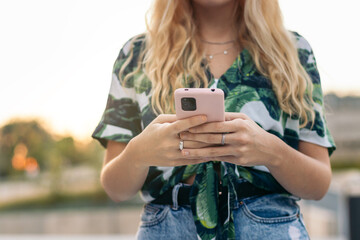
(38, 141)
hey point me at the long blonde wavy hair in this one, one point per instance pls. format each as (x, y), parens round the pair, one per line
(172, 55)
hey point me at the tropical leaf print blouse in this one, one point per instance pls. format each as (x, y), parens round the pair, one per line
(128, 112)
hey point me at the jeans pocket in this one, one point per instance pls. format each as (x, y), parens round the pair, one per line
(271, 208)
(153, 214)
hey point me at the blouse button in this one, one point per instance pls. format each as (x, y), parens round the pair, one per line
(220, 192)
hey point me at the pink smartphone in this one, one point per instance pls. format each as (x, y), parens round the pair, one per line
(197, 101)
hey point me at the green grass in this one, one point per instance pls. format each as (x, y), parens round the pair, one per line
(341, 163)
(345, 166)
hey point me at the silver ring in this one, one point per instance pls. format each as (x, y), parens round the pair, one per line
(223, 139)
(181, 145)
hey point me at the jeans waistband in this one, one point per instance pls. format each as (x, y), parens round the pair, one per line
(180, 194)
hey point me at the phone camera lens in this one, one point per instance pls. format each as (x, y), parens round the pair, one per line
(188, 104)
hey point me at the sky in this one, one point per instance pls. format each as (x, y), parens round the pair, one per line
(56, 57)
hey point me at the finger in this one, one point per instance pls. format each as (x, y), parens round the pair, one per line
(232, 115)
(208, 152)
(211, 138)
(184, 124)
(234, 160)
(196, 144)
(216, 127)
(163, 118)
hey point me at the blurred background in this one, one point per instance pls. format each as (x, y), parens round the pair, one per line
(56, 60)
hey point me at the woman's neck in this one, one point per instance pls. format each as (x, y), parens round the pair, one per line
(216, 22)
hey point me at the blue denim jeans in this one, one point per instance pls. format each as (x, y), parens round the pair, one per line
(273, 216)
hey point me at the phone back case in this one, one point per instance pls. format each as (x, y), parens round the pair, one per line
(209, 101)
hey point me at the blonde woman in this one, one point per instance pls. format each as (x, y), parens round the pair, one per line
(238, 179)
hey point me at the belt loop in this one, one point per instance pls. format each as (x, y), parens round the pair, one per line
(175, 192)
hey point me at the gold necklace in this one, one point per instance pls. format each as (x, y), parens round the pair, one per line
(217, 43)
(225, 52)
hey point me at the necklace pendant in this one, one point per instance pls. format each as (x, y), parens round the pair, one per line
(225, 52)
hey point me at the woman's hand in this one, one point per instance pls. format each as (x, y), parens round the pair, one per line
(246, 143)
(158, 143)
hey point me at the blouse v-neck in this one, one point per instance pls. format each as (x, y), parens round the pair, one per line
(238, 62)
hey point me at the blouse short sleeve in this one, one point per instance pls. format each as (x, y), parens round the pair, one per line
(319, 134)
(121, 120)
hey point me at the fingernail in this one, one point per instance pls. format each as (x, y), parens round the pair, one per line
(185, 153)
(203, 118)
